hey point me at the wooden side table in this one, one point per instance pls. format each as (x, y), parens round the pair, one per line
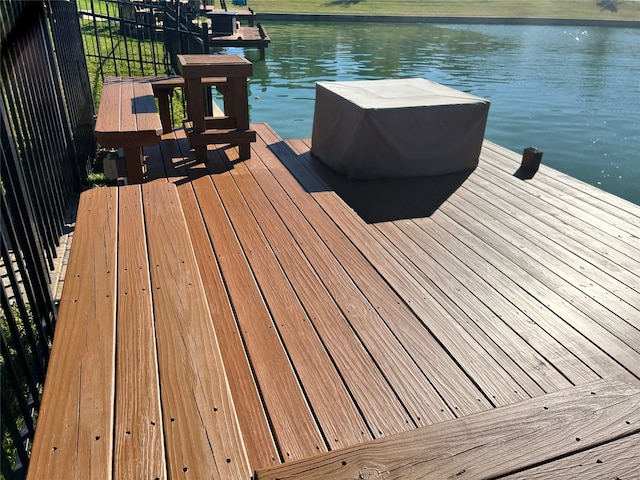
(233, 127)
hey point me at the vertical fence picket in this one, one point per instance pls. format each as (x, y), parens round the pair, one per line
(37, 340)
(76, 90)
(59, 139)
(15, 380)
(62, 147)
(30, 63)
(24, 131)
(20, 224)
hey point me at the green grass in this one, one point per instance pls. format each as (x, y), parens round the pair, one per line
(573, 9)
(7, 388)
(96, 177)
(110, 54)
(97, 6)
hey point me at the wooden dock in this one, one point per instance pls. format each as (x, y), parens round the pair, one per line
(252, 36)
(245, 37)
(467, 326)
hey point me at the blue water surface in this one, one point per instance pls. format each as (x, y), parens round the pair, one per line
(573, 92)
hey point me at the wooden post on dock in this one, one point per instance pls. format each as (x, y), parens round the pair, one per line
(531, 158)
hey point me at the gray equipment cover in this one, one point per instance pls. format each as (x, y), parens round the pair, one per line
(397, 128)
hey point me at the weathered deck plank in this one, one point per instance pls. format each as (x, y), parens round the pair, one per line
(508, 265)
(576, 251)
(552, 291)
(260, 445)
(561, 200)
(139, 444)
(74, 438)
(413, 389)
(486, 445)
(488, 305)
(457, 390)
(343, 345)
(537, 242)
(617, 459)
(490, 312)
(573, 251)
(487, 268)
(295, 429)
(436, 266)
(202, 436)
(607, 212)
(499, 386)
(340, 421)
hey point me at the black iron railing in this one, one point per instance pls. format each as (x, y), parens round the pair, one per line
(54, 55)
(46, 127)
(140, 37)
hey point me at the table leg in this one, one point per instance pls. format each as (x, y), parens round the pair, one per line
(195, 112)
(237, 106)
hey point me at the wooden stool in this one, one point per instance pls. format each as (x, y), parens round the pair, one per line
(233, 127)
(163, 89)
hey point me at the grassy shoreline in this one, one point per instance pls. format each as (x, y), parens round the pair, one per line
(628, 10)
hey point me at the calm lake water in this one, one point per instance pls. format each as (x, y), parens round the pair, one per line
(573, 92)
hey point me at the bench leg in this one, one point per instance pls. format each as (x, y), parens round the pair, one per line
(134, 160)
(200, 153)
(195, 109)
(164, 111)
(244, 151)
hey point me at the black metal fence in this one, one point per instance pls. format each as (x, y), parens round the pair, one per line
(46, 127)
(140, 37)
(54, 55)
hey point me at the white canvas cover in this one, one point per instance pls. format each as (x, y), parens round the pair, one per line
(397, 128)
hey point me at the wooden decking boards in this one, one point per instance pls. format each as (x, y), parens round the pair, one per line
(247, 37)
(501, 293)
(494, 297)
(337, 328)
(139, 444)
(509, 440)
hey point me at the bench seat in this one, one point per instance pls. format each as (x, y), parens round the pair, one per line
(128, 119)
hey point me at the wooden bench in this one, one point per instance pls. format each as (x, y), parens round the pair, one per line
(128, 119)
(132, 280)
